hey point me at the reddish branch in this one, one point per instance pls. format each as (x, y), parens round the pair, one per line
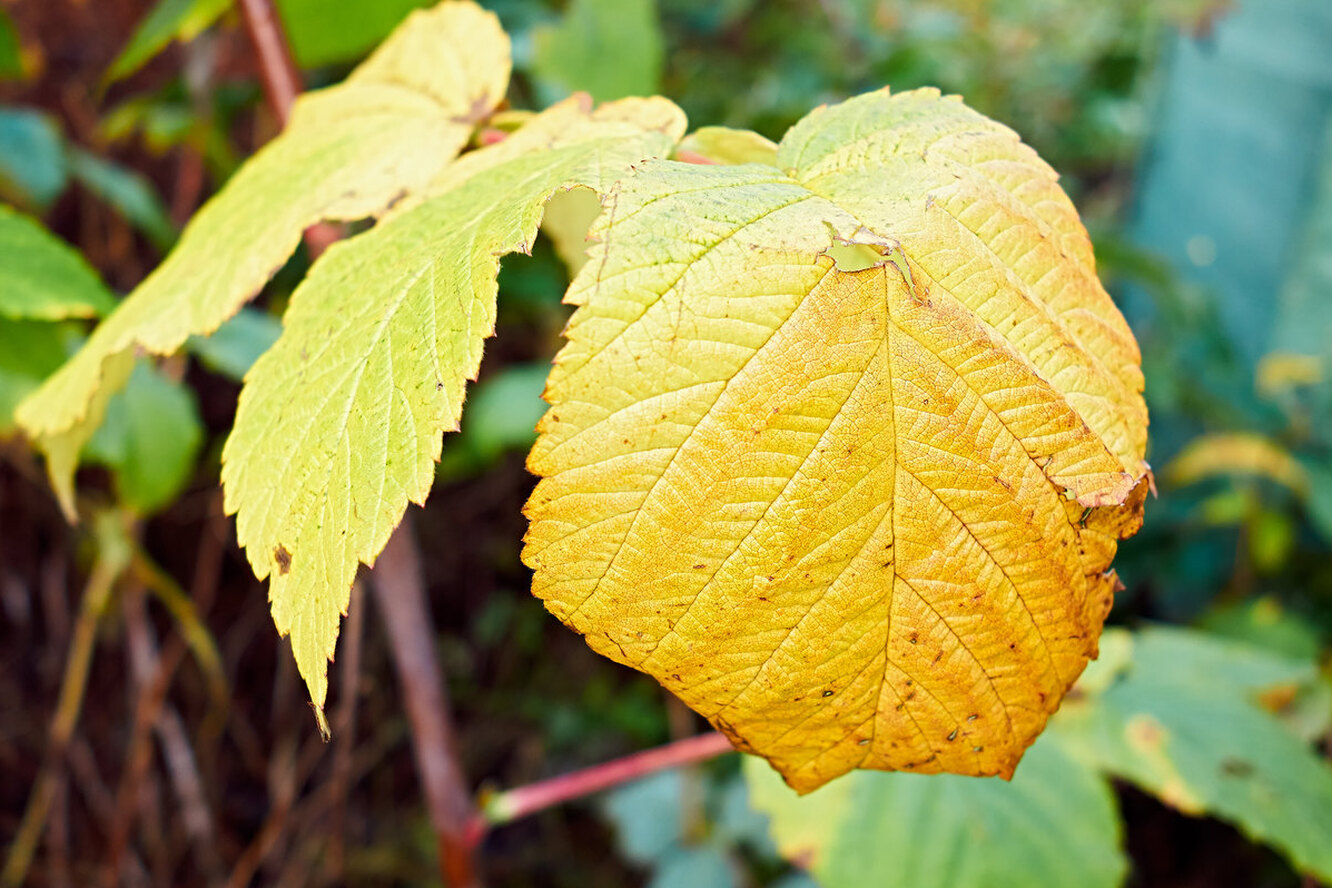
(525, 800)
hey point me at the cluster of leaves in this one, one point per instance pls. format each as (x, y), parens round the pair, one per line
(340, 423)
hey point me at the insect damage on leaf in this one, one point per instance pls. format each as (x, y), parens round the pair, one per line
(822, 438)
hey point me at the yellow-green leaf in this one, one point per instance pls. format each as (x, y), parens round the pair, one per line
(721, 144)
(341, 422)
(857, 516)
(348, 152)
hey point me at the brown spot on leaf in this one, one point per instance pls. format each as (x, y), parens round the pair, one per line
(283, 559)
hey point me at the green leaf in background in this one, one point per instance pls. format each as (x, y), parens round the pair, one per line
(43, 278)
(11, 53)
(169, 20)
(127, 192)
(149, 440)
(234, 347)
(30, 351)
(1054, 824)
(500, 416)
(1179, 714)
(326, 32)
(32, 159)
(341, 422)
(609, 48)
(348, 152)
(1263, 622)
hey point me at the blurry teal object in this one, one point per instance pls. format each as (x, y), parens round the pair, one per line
(1231, 175)
(127, 192)
(33, 170)
(234, 347)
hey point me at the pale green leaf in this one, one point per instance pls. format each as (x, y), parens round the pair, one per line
(149, 440)
(341, 422)
(44, 278)
(325, 32)
(30, 351)
(168, 20)
(348, 152)
(1183, 717)
(609, 48)
(1054, 824)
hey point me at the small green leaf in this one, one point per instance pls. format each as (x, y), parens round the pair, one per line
(167, 21)
(42, 277)
(1185, 720)
(501, 415)
(149, 440)
(349, 151)
(326, 32)
(30, 351)
(234, 347)
(1054, 824)
(341, 422)
(609, 48)
(11, 53)
(33, 170)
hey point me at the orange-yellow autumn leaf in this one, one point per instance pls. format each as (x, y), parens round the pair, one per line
(840, 448)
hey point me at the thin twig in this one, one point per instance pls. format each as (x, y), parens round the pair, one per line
(277, 69)
(522, 801)
(282, 84)
(400, 593)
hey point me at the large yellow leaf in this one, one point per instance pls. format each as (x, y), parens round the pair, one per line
(341, 421)
(837, 448)
(348, 152)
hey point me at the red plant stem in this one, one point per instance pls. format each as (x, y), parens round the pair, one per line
(400, 594)
(282, 84)
(524, 800)
(277, 69)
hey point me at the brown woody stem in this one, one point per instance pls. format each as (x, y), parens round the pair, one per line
(400, 593)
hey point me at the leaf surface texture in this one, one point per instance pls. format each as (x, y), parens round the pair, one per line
(840, 449)
(348, 152)
(340, 423)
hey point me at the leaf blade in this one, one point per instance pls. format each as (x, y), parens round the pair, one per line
(836, 512)
(320, 467)
(348, 152)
